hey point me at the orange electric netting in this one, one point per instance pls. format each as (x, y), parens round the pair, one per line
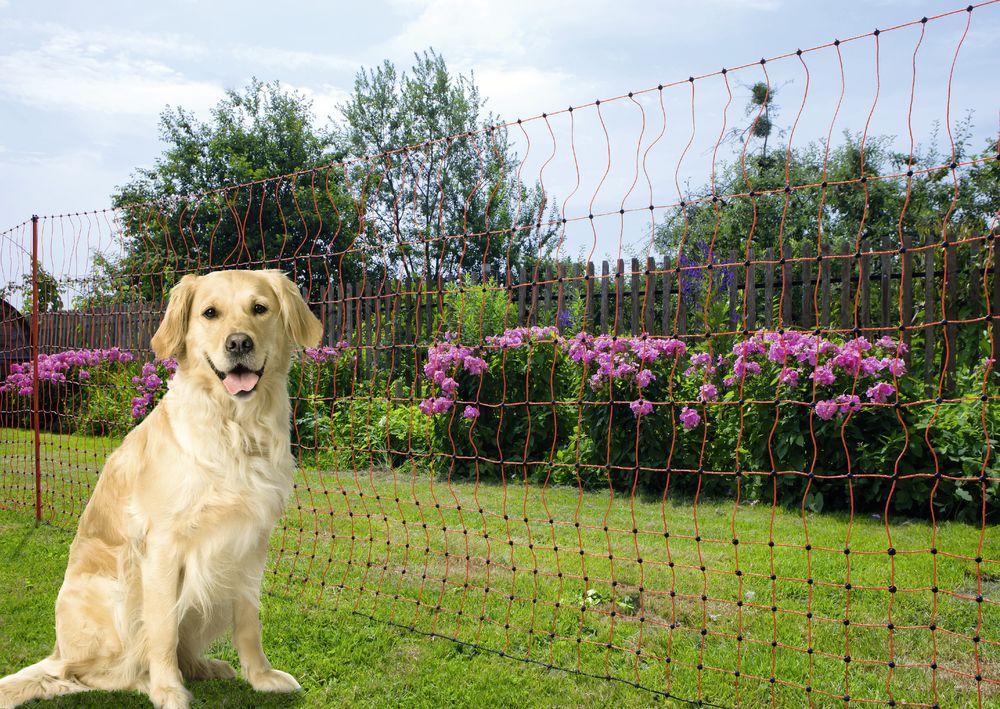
(746, 458)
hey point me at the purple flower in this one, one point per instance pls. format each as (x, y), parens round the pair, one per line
(708, 392)
(471, 412)
(689, 418)
(881, 392)
(789, 376)
(701, 359)
(848, 402)
(895, 366)
(644, 377)
(640, 407)
(474, 365)
(742, 367)
(435, 405)
(871, 366)
(441, 404)
(826, 410)
(823, 375)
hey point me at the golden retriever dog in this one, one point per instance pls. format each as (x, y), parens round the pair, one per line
(171, 548)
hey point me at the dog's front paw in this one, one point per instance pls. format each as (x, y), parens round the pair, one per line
(273, 681)
(170, 698)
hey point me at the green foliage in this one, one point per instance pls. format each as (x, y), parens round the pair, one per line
(474, 312)
(565, 469)
(902, 210)
(253, 136)
(371, 430)
(313, 382)
(520, 426)
(420, 203)
(49, 299)
(109, 283)
(105, 408)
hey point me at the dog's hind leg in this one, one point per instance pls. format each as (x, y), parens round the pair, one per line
(42, 680)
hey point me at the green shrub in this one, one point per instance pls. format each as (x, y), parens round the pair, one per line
(106, 408)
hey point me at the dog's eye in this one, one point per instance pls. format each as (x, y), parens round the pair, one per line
(259, 309)
(209, 313)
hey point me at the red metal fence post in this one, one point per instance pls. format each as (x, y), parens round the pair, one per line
(34, 361)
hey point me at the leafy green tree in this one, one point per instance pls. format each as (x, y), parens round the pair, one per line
(813, 194)
(448, 201)
(49, 299)
(215, 198)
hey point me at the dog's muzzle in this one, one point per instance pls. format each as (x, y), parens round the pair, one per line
(240, 380)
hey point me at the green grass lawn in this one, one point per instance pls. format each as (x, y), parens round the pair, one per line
(364, 558)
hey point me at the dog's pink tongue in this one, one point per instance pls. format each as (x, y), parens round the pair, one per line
(235, 383)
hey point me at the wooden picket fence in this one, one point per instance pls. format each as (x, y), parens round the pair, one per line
(930, 291)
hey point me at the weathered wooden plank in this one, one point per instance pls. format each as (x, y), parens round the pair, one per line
(864, 275)
(649, 298)
(605, 272)
(667, 314)
(906, 296)
(769, 288)
(808, 293)
(847, 292)
(930, 315)
(951, 312)
(786, 286)
(588, 305)
(619, 295)
(824, 276)
(885, 284)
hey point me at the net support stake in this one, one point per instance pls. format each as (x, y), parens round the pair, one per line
(34, 361)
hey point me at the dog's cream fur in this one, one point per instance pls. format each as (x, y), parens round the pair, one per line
(171, 548)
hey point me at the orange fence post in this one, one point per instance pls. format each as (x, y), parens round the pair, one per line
(34, 362)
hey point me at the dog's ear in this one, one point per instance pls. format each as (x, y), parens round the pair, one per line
(169, 338)
(300, 324)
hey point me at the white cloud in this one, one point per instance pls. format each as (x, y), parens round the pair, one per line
(467, 29)
(520, 92)
(75, 72)
(325, 98)
(137, 73)
(289, 59)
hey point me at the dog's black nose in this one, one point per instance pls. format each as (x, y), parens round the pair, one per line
(239, 343)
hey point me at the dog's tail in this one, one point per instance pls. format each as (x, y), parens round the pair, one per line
(42, 680)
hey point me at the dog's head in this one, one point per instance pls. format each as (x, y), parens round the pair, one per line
(235, 330)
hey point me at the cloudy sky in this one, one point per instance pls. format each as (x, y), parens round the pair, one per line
(82, 84)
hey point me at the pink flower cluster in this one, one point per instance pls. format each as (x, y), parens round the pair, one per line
(520, 336)
(792, 358)
(148, 384)
(444, 361)
(319, 355)
(56, 368)
(627, 360)
(820, 360)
